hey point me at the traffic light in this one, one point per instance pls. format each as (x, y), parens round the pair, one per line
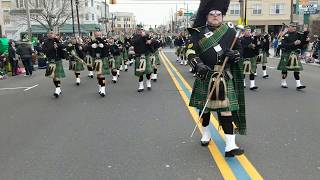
(113, 2)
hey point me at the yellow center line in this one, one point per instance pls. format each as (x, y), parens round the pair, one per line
(244, 161)
(223, 166)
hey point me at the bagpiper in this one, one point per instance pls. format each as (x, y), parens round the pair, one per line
(115, 59)
(55, 51)
(291, 45)
(99, 53)
(75, 56)
(249, 55)
(141, 42)
(155, 57)
(211, 43)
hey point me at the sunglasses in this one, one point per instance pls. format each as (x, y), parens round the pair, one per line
(215, 13)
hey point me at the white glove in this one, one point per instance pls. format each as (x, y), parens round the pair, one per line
(101, 45)
(94, 45)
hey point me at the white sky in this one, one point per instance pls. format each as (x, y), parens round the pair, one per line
(153, 12)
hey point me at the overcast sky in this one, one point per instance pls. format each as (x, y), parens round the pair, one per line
(153, 12)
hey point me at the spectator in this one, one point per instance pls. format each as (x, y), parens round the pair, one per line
(25, 52)
(13, 57)
(316, 48)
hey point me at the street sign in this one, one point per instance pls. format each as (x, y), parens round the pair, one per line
(188, 14)
(309, 8)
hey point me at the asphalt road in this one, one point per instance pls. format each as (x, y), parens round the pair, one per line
(145, 136)
(80, 136)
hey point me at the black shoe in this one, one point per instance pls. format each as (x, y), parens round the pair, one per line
(266, 76)
(56, 95)
(114, 81)
(205, 143)
(154, 80)
(234, 152)
(126, 70)
(149, 88)
(78, 84)
(284, 86)
(301, 87)
(254, 88)
(140, 90)
(102, 94)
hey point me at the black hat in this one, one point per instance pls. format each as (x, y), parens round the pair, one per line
(208, 5)
(293, 24)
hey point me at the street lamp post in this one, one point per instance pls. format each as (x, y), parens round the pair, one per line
(77, 9)
(28, 19)
(72, 17)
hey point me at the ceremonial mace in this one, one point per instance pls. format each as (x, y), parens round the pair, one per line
(239, 29)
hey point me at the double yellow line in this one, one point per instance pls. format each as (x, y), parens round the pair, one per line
(221, 162)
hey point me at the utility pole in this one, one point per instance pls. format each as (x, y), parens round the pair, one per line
(245, 12)
(28, 19)
(105, 16)
(291, 13)
(77, 9)
(241, 10)
(72, 17)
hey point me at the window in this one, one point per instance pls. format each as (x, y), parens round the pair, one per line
(92, 15)
(20, 3)
(119, 25)
(6, 17)
(256, 9)
(91, 3)
(234, 9)
(277, 9)
(86, 3)
(87, 16)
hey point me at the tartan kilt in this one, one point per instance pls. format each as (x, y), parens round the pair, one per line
(158, 62)
(264, 58)
(284, 61)
(117, 61)
(148, 70)
(253, 62)
(79, 66)
(59, 71)
(105, 66)
(178, 50)
(125, 54)
(200, 92)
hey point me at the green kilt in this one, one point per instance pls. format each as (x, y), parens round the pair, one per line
(264, 58)
(148, 69)
(158, 62)
(125, 54)
(59, 71)
(105, 66)
(284, 61)
(117, 62)
(200, 93)
(178, 50)
(253, 62)
(79, 66)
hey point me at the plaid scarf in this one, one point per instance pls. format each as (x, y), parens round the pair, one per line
(207, 42)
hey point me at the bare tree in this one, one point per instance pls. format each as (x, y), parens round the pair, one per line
(54, 14)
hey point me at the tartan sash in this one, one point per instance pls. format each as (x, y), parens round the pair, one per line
(207, 42)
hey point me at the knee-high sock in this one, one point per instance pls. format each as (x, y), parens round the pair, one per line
(56, 83)
(141, 78)
(148, 76)
(284, 74)
(251, 76)
(205, 118)
(296, 75)
(226, 123)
